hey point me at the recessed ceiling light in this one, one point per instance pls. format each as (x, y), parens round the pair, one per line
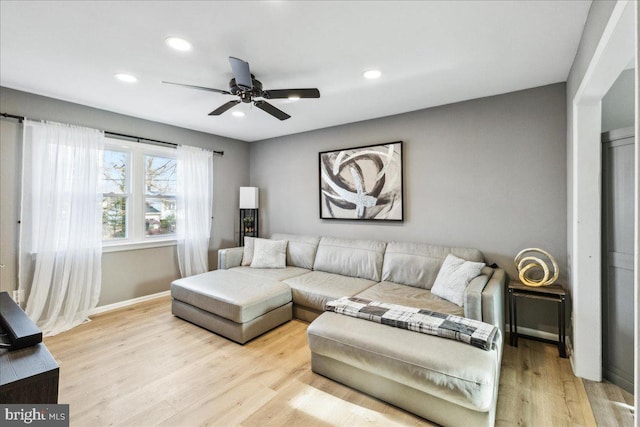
(294, 98)
(238, 114)
(178, 44)
(128, 78)
(371, 74)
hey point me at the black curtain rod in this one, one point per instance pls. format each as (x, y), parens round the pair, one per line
(120, 135)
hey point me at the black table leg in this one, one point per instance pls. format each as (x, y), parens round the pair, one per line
(561, 329)
(510, 317)
(515, 320)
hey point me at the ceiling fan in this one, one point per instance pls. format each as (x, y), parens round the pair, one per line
(245, 85)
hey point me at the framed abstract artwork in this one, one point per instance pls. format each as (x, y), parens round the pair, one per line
(362, 183)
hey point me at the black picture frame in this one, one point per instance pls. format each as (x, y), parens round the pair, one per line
(364, 183)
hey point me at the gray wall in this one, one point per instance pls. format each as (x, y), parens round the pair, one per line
(618, 104)
(127, 274)
(488, 173)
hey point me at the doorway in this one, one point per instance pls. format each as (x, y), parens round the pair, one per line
(618, 188)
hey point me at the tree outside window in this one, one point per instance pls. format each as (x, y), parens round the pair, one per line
(115, 194)
(160, 195)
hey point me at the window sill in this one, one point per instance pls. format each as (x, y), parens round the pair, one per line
(133, 246)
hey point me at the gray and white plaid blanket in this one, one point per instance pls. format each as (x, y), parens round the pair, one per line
(474, 332)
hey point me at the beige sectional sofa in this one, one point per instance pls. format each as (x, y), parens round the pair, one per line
(446, 381)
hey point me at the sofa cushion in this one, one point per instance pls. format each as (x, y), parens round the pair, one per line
(454, 277)
(316, 288)
(301, 251)
(354, 258)
(409, 296)
(231, 294)
(417, 264)
(247, 252)
(452, 370)
(269, 253)
(279, 274)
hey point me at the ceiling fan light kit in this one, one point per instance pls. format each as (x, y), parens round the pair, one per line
(245, 86)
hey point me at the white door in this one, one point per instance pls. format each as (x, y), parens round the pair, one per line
(618, 269)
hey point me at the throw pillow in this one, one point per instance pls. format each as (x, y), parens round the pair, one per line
(247, 255)
(454, 277)
(269, 253)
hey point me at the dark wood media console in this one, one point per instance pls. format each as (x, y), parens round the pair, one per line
(28, 375)
(28, 372)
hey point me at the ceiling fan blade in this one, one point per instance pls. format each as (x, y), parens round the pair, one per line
(210, 89)
(241, 73)
(290, 93)
(224, 107)
(266, 107)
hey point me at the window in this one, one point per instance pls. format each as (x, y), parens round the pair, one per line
(139, 195)
(160, 195)
(115, 194)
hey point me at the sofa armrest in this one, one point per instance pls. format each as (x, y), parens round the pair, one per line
(230, 257)
(484, 297)
(473, 294)
(493, 299)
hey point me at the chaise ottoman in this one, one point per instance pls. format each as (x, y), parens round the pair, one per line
(442, 380)
(233, 304)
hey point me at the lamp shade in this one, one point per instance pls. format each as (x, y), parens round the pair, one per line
(248, 197)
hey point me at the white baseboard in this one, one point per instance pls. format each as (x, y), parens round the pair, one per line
(536, 333)
(121, 304)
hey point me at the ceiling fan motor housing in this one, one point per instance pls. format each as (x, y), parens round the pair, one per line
(246, 95)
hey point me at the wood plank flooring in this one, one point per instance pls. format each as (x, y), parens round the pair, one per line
(612, 406)
(141, 366)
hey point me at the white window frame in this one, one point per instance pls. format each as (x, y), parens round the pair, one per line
(136, 236)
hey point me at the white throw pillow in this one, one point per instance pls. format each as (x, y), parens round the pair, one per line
(269, 253)
(454, 277)
(247, 255)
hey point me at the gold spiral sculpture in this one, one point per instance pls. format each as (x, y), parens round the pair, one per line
(529, 264)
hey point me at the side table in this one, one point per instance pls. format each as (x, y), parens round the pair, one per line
(554, 293)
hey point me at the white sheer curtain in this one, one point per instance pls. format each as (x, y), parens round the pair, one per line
(194, 197)
(61, 232)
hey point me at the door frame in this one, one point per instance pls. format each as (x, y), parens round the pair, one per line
(614, 51)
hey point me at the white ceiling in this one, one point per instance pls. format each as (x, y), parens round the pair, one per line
(431, 53)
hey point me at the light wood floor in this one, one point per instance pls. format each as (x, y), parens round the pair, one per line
(612, 406)
(141, 366)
